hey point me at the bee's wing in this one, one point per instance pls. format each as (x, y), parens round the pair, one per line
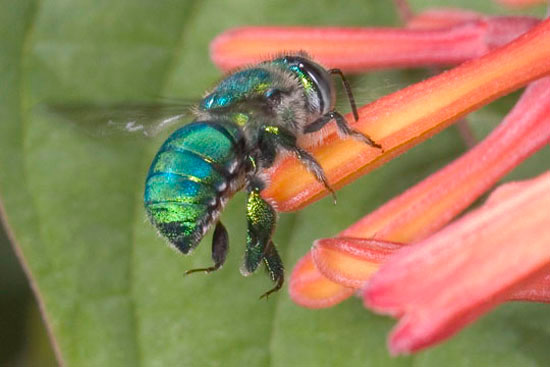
(146, 119)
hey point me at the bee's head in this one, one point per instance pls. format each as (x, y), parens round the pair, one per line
(289, 91)
(315, 79)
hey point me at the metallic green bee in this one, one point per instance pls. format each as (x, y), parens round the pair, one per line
(240, 128)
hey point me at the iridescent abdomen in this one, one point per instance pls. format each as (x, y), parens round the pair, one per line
(195, 171)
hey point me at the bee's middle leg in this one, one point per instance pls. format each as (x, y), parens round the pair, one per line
(274, 138)
(261, 219)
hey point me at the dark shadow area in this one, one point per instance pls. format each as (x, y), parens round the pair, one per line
(23, 337)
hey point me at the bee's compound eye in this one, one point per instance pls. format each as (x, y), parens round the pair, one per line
(317, 76)
(273, 96)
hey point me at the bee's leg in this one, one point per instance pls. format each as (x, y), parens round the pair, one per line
(314, 167)
(275, 268)
(342, 125)
(277, 137)
(220, 246)
(347, 88)
(261, 219)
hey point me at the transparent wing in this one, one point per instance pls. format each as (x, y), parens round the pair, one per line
(147, 119)
(365, 88)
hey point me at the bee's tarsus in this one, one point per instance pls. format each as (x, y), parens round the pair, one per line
(272, 290)
(274, 266)
(201, 270)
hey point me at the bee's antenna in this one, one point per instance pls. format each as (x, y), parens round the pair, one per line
(347, 87)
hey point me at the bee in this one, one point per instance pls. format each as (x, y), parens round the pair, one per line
(239, 130)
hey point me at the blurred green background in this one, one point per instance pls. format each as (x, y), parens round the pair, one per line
(114, 293)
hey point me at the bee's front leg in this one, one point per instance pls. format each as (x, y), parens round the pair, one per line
(343, 128)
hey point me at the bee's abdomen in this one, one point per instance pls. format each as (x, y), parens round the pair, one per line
(191, 178)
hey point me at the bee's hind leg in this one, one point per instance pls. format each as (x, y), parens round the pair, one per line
(220, 247)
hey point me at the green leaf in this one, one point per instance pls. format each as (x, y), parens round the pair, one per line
(112, 292)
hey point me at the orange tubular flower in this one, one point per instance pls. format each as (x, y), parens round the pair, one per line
(409, 116)
(520, 3)
(485, 255)
(426, 42)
